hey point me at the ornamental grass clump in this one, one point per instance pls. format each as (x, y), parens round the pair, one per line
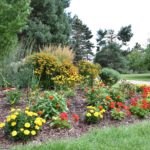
(22, 125)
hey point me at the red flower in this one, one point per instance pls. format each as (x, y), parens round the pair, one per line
(134, 101)
(100, 107)
(75, 117)
(112, 105)
(64, 116)
(120, 104)
(126, 107)
(51, 97)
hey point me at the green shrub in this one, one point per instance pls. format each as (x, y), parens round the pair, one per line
(109, 76)
(49, 104)
(117, 114)
(13, 96)
(17, 74)
(22, 125)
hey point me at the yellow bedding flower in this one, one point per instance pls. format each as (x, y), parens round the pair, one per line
(26, 132)
(33, 132)
(13, 124)
(13, 116)
(88, 114)
(14, 133)
(2, 125)
(96, 114)
(27, 125)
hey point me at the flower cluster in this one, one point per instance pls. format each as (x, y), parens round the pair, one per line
(21, 125)
(139, 107)
(63, 120)
(93, 114)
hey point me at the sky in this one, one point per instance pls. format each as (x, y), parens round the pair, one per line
(113, 14)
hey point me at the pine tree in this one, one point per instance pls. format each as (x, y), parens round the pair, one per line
(80, 39)
(48, 24)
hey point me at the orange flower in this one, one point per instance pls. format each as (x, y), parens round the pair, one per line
(100, 107)
(40, 112)
(108, 98)
(51, 97)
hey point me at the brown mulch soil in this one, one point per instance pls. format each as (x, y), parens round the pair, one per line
(47, 133)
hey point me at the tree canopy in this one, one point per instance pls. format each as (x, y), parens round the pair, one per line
(80, 39)
(13, 16)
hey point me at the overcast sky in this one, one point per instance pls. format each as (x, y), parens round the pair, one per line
(113, 14)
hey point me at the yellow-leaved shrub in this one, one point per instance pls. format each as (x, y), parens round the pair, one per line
(89, 71)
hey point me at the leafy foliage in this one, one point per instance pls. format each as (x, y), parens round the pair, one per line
(49, 104)
(13, 16)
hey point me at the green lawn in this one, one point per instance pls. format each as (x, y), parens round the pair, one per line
(133, 137)
(139, 77)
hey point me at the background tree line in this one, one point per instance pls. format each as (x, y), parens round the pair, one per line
(27, 26)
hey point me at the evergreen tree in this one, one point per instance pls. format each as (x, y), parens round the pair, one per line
(48, 24)
(13, 16)
(111, 56)
(80, 39)
(105, 37)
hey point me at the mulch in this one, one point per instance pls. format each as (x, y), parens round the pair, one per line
(78, 106)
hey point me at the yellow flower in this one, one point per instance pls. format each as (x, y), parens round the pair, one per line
(103, 110)
(16, 113)
(91, 111)
(37, 127)
(38, 121)
(14, 133)
(33, 132)
(27, 108)
(13, 116)
(43, 120)
(2, 125)
(21, 129)
(26, 132)
(27, 125)
(8, 119)
(96, 114)
(12, 109)
(88, 114)
(101, 116)
(30, 113)
(13, 124)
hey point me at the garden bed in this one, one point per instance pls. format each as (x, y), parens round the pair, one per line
(78, 106)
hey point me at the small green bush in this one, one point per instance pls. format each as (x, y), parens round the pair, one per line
(13, 96)
(109, 76)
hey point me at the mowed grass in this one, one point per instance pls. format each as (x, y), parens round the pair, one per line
(133, 137)
(138, 77)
